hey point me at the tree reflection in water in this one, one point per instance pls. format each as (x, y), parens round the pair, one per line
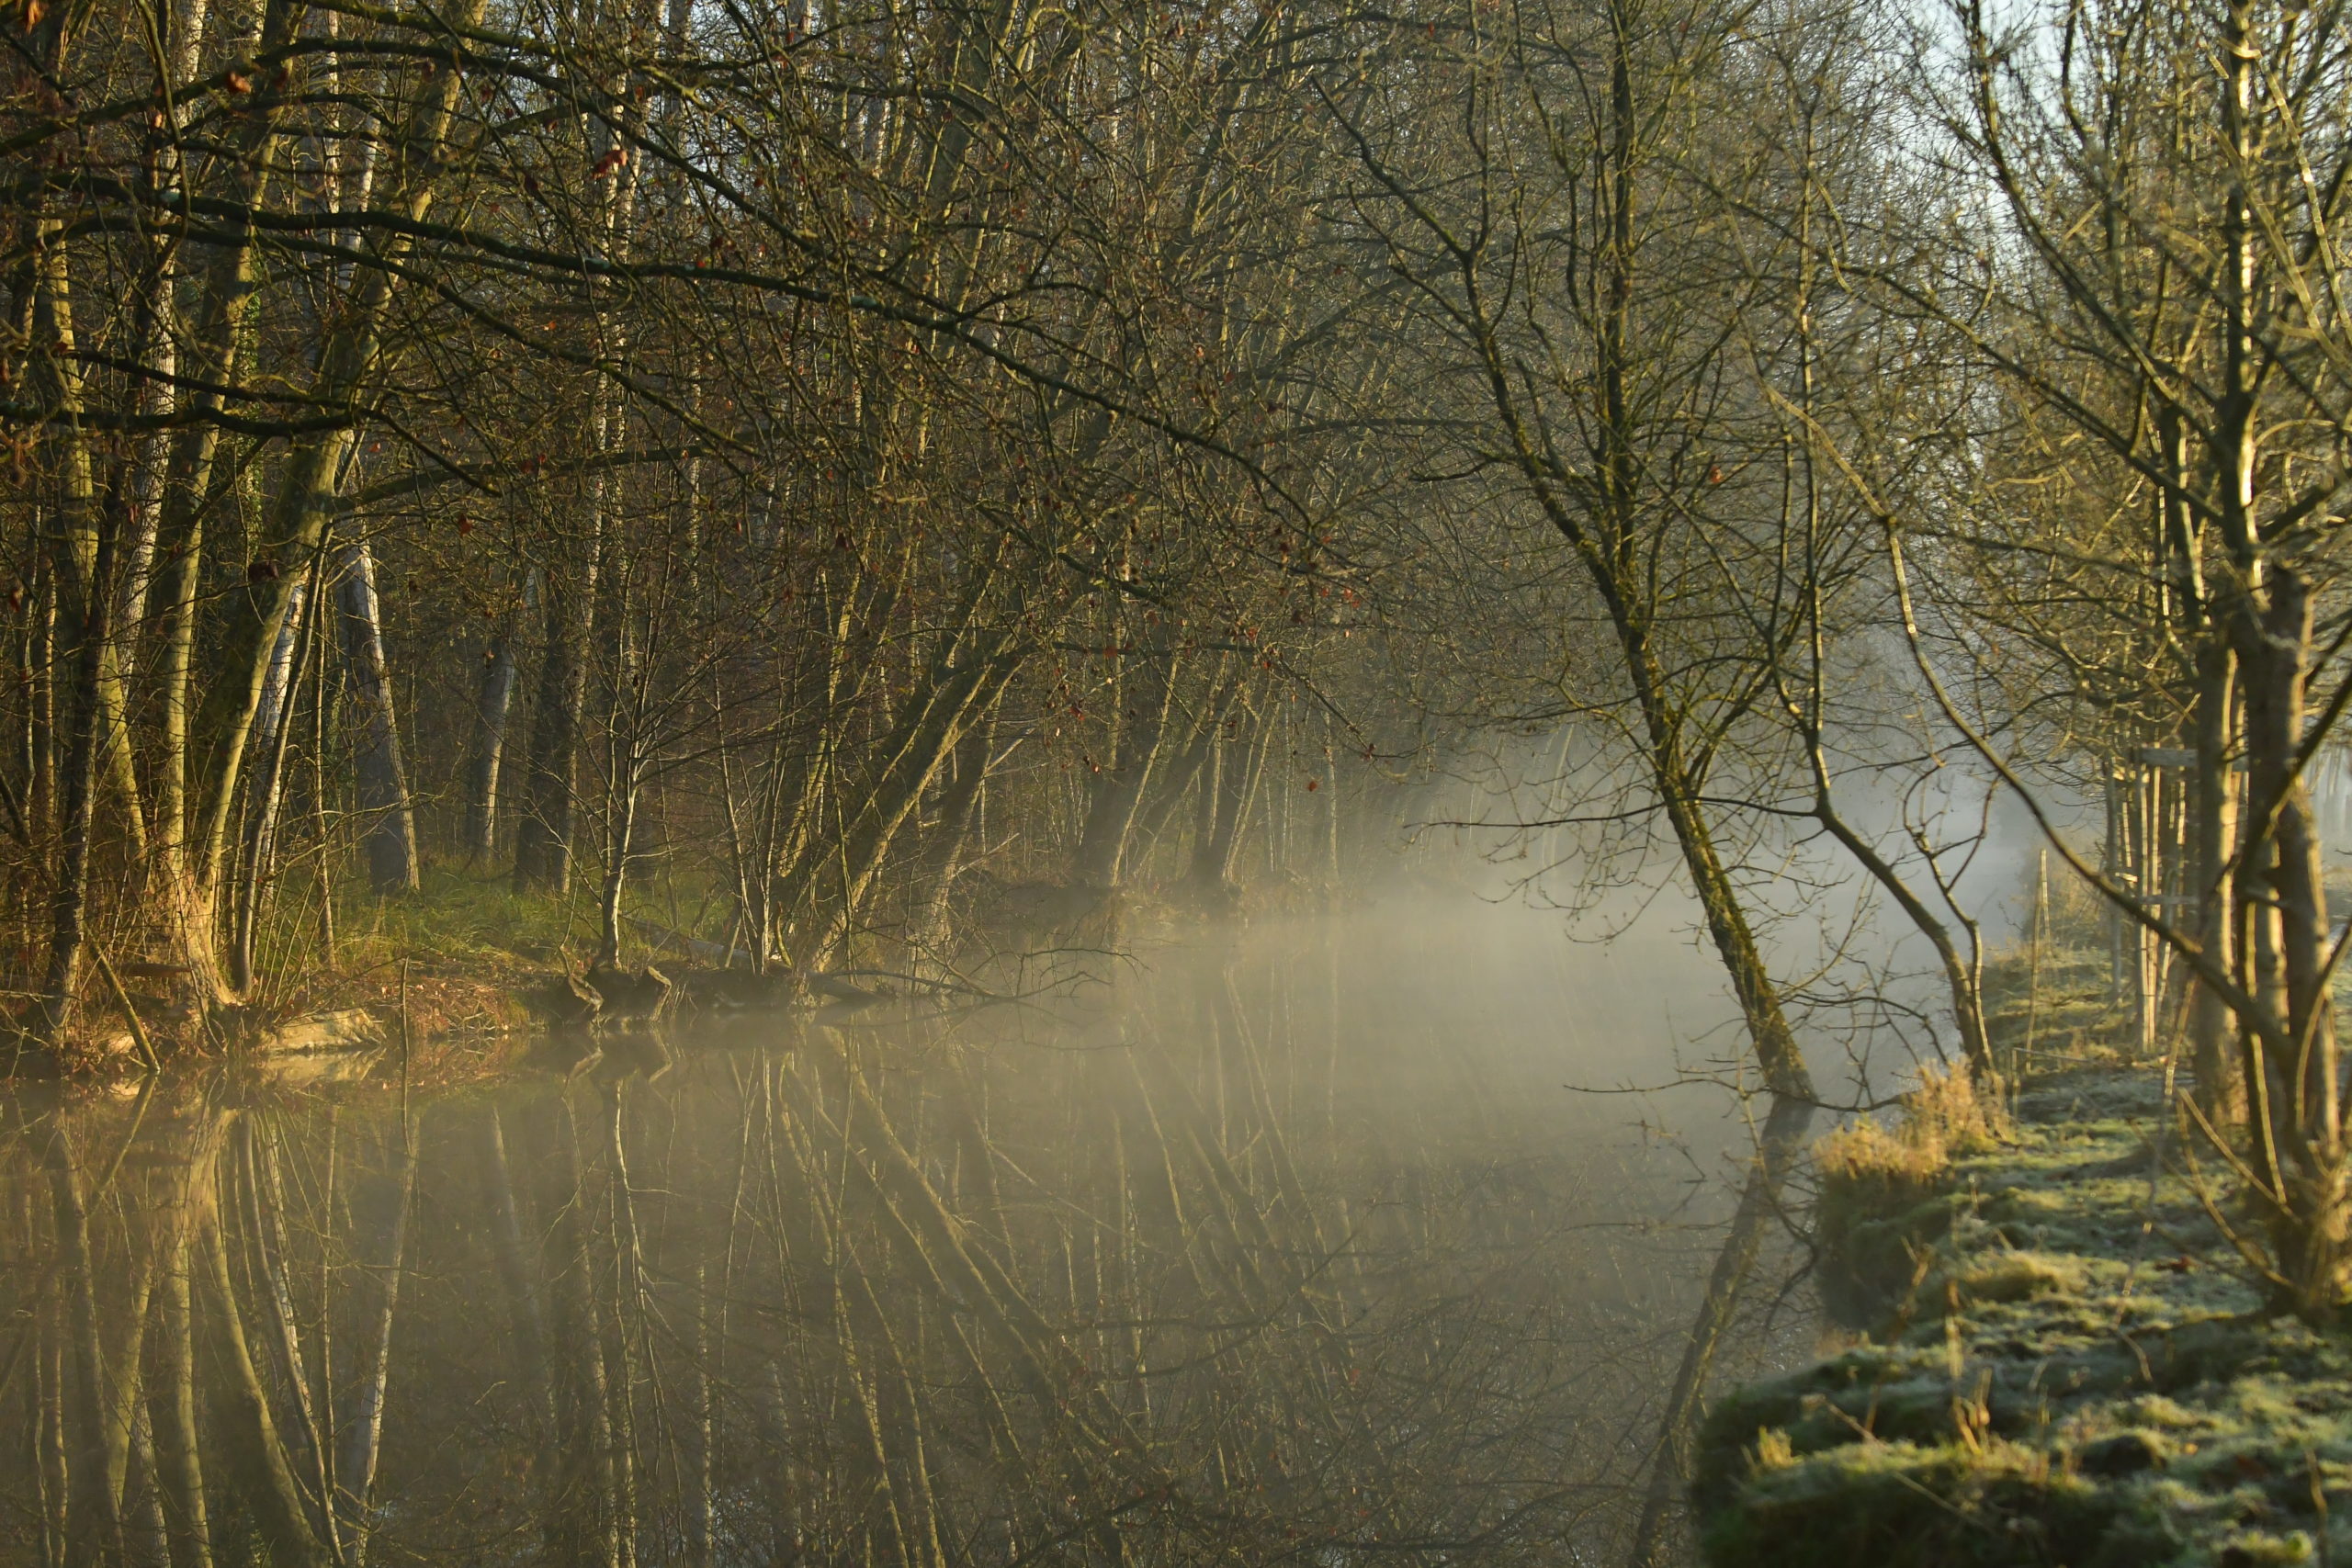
(1298, 1254)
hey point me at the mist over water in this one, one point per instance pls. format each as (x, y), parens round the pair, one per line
(1293, 1245)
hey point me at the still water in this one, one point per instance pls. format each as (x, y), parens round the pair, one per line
(1298, 1248)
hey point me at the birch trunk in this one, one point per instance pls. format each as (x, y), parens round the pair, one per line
(390, 837)
(493, 700)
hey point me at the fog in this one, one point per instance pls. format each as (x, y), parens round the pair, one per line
(1034, 502)
(1304, 1241)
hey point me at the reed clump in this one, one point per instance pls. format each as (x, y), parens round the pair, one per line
(1943, 1119)
(1883, 1186)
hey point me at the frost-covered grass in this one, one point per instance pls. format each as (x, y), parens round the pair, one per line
(2063, 1366)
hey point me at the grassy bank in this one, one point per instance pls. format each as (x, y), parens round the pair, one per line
(451, 962)
(460, 959)
(2060, 1362)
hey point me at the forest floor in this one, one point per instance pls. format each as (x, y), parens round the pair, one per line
(2064, 1361)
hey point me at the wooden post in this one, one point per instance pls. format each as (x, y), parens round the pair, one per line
(2118, 870)
(2149, 786)
(2033, 956)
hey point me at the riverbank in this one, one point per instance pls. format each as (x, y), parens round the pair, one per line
(2059, 1360)
(445, 971)
(451, 972)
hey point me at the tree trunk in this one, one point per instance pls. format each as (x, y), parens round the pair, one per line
(1239, 756)
(90, 533)
(179, 1450)
(699, 1468)
(494, 698)
(279, 1507)
(93, 1523)
(1195, 764)
(833, 877)
(2299, 1146)
(182, 884)
(390, 837)
(543, 832)
(525, 1300)
(2212, 833)
(1777, 1155)
(356, 1465)
(69, 902)
(1111, 805)
(274, 724)
(543, 841)
(620, 837)
(577, 1524)
(958, 804)
(313, 466)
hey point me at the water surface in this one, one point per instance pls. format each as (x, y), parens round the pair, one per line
(1294, 1246)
